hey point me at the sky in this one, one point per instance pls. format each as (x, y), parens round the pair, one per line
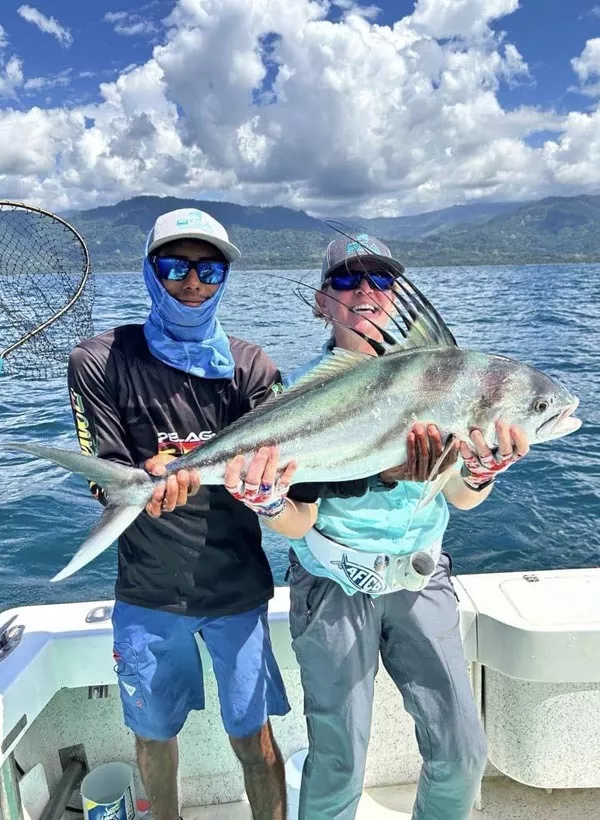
(336, 108)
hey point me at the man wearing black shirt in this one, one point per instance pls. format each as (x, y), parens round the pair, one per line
(141, 395)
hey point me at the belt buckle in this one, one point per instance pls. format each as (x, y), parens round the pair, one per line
(395, 572)
(392, 570)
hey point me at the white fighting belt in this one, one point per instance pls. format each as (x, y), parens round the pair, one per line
(374, 573)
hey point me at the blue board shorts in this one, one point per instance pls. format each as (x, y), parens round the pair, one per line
(159, 669)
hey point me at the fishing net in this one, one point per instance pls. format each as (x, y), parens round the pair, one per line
(46, 292)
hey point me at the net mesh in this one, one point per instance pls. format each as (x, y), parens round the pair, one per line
(46, 292)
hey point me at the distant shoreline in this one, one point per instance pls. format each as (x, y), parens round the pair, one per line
(408, 263)
(552, 231)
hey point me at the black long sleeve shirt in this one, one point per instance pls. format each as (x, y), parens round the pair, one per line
(204, 558)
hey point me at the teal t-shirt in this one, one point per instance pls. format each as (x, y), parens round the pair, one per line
(378, 521)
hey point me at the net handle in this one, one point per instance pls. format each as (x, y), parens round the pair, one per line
(78, 292)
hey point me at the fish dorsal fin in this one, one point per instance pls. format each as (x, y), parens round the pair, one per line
(424, 327)
(423, 333)
(339, 362)
(413, 321)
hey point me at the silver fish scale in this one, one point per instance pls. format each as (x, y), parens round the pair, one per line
(355, 424)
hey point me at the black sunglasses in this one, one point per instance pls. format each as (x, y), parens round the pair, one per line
(351, 279)
(176, 268)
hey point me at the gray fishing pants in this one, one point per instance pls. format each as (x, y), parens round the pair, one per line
(337, 639)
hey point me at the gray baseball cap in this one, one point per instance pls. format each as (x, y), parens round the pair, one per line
(344, 249)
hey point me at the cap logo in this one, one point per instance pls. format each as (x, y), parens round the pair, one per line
(194, 221)
(361, 244)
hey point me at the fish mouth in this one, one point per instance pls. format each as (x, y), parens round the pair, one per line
(560, 424)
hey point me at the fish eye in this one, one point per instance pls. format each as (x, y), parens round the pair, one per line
(541, 405)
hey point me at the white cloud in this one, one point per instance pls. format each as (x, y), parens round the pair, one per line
(360, 109)
(3, 38)
(573, 161)
(130, 24)
(11, 78)
(62, 79)
(46, 24)
(460, 18)
(587, 68)
(115, 16)
(515, 68)
(272, 102)
(350, 7)
(587, 65)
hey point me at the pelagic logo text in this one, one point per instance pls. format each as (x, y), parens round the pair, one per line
(191, 438)
(177, 445)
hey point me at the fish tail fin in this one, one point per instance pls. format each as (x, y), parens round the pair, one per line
(113, 521)
(127, 489)
(99, 470)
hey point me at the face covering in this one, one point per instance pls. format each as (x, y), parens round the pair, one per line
(186, 338)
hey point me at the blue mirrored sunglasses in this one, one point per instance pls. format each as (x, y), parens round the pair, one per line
(175, 269)
(351, 279)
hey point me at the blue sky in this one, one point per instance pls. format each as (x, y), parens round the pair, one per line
(98, 51)
(548, 33)
(210, 124)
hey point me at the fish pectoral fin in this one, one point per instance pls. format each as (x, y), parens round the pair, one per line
(436, 481)
(113, 521)
(433, 488)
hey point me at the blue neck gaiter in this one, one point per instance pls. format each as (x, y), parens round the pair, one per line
(186, 338)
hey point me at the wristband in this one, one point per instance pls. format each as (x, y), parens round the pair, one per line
(272, 512)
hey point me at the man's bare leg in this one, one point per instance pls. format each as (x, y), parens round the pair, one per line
(264, 773)
(157, 761)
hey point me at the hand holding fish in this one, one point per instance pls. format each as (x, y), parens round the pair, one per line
(480, 467)
(325, 422)
(259, 489)
(424, 447)
(175, 490)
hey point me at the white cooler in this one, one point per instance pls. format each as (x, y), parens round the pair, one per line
(538, 640)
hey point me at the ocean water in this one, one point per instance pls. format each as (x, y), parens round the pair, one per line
(545, 513)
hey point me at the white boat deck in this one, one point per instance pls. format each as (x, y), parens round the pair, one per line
(503, 800)
(532, 642)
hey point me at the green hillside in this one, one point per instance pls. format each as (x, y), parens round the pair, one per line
(556, 229)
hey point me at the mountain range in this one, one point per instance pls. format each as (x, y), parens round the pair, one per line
(555, 229)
